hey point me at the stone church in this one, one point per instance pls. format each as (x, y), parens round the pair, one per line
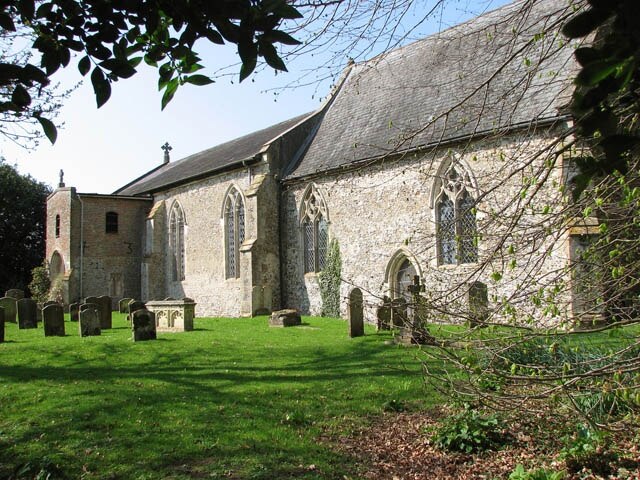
(418, 162)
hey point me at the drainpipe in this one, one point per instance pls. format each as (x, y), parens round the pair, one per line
(81, 246)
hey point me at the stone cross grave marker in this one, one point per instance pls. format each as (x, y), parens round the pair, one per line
(383, 314)
(123, 305)
(105, 312)
(417, 328)
(144, 325)
(74, 312)
(15, 293)
(27, 313)
(1, 325)
(398, 312)
(53, 320)
(9, 305)
(356, 313)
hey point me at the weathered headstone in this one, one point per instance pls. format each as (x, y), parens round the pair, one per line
(9, 305)
(144, 325)
(383, 314)
(39, 312)
(478, 299)
(134, 305)
(15, 293)
(53, 320)
(356, 313)
(1, 325)
(87, 306)
(27, 313)
(89, 321)
(285, 318)
(123, 305)
(74, 312)
(105, 312)
(49, 302)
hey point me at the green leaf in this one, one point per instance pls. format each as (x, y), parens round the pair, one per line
(101, 86)
(270, 54)
(27, 9)
(169, 92)
(84, 65)
(49, 129)
(278, 36)
(595, 72)
(119, 67)
(586, 55)
(6, 22)
(198, 80)
(20, 96)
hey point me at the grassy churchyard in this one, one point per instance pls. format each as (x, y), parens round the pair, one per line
(232, 399)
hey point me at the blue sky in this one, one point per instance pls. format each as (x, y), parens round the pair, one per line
(103, 149)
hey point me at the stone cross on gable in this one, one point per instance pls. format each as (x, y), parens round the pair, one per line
(167, 148)
(61, 183)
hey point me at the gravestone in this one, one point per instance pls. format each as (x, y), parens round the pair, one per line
(27, 313)
(356, 313)
(89, 321)
(1, 325)
(134, 305)
(105, 312)
(478, 300)
(144, 325)
(383, 313)
(15, 293)
(285, 318)
(87, 306)
(123, 305)
(10, 308)
(74, 312)
(39, 312)
(53, 320)
(398, 312)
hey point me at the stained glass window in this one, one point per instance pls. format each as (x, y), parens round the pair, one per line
(234, 219)
(315, 230)
(176, 242)
(456, 230)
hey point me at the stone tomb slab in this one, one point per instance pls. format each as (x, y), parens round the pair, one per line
(285, 318)
(173, 315)
(53, 320)
(27, 313)
(89, 321)
(1, 325)
(15, 293)
(356, 313)
(10, 308)
(143, 325)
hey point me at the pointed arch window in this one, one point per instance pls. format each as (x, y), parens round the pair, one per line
(315, 230)
(234, 227)
(57, 226)
(456, 230)
(176, 242)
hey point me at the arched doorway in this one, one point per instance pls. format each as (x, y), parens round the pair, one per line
(56, 266)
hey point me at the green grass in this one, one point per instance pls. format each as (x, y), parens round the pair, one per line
(234, 398)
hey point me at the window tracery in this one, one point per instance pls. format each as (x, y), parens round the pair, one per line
(234, 221)
(456, 229)
(315, 230)
(176, 242)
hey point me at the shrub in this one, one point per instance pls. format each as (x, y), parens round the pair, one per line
(540, 474)
(40, 283)
(588, 449)
(468, 432)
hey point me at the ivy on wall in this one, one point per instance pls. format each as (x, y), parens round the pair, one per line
(329, 279)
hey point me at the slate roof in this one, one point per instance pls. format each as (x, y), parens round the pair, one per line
(209, 161)
(382, 101)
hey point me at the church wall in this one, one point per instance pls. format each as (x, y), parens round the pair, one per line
(111, 261)
(381, 210)
(202, 203)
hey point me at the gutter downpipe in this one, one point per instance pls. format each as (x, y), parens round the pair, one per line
(81, 246)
